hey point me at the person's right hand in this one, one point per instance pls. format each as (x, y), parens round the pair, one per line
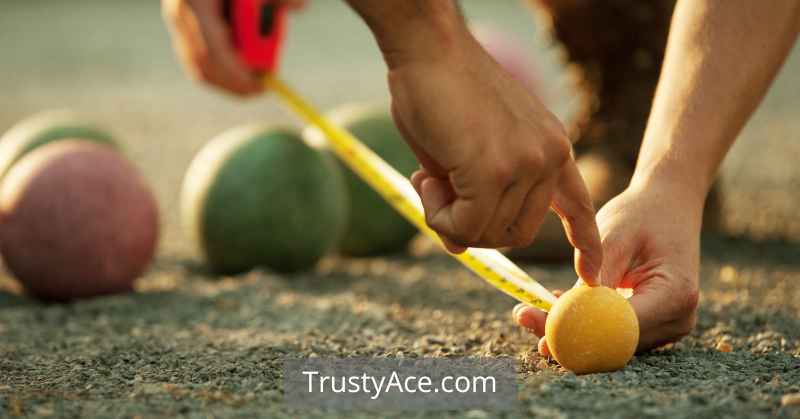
(651, 237)
(202, 40)
(493, 158)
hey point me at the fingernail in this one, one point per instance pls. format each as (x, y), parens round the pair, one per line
(517, 309)
(542, 347)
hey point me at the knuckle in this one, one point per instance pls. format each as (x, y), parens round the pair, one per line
(587, 207)
(687, 295)
(502, 174)
(556, 128)
(680, 309)
(581, 218)
(685, 309)
(464, 229)
(532, 159)
(562, 151)
(691, 302)
(458, 233)
(521, 238)
(570, 218)
(686, 326)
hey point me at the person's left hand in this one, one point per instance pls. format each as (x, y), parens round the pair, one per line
(651, 242)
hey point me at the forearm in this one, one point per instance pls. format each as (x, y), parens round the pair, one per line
(721, 58)
(413, 30)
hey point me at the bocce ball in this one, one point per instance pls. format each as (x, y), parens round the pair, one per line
(592, 329)
(259, 196)
(44, 128)
(76, 220)
(373, 226)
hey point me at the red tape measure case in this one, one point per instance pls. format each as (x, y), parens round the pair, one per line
(258, 27)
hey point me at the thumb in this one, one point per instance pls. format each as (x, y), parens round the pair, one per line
(617, 257)
(436, 194)
(534, 320)
(573, 204)
(622, 247)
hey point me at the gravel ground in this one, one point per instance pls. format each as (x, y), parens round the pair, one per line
(194, 345)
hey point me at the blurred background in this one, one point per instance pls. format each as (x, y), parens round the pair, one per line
(189, 342)
(112, 60)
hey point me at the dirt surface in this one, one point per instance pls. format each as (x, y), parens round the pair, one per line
(194, 345)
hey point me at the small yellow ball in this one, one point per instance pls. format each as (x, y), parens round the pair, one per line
(592, 329)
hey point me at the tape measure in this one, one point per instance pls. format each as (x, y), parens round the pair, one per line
(258, 28)
(488, 264)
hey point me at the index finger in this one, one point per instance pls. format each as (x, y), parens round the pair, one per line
(574, 205)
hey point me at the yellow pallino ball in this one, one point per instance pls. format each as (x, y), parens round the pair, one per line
(592, 329)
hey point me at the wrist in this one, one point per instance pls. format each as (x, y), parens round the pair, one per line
(676, 163)
(410, 31)
(672, 184)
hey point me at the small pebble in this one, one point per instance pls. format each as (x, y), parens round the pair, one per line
(542, 364)
(435, 341)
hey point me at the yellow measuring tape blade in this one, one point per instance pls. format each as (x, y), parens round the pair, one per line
(489, 264)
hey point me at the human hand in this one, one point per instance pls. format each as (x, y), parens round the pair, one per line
(651, 243)
(493, 158)
(202, 41)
